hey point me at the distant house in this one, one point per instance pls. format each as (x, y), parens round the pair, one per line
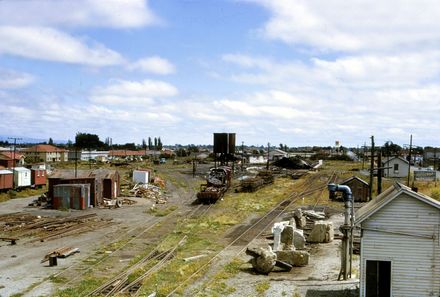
(104, 183)
(359, 188)
(126, 154)
(46, 153)
(277, 154)
(10, 159)
(397, 167)
(400, 247)
(101, 156)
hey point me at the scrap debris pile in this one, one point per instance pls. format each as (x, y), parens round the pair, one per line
(264, 177)
(289, 242)
(21, 225)
(148, 191)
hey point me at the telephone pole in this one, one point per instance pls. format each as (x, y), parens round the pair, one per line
(409, 159)
(371, 168)
(13, 160)
(268, 150)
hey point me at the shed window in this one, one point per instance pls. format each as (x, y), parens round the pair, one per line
(378, 279)
(396, 167)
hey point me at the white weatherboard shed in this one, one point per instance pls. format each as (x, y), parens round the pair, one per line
(141, 176)
(22, 177)
(398, 167)
(400, 244)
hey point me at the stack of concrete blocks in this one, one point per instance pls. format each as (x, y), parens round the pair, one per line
(288, 244)
(263, 260)
(322, 232)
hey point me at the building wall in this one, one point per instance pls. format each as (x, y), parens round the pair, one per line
(359, 190)
(403, 168)
(6, 181)
(38, 177)
(415, 258)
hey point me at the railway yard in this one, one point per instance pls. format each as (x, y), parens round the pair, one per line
(177, 248)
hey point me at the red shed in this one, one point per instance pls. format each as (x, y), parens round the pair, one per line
(38, 177)
(6, 178)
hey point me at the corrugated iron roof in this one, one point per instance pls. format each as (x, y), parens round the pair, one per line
(387, 196)
(95, 173)
(356, 178)
(10, 155)
(4, 171)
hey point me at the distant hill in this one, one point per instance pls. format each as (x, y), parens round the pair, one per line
(25, 139)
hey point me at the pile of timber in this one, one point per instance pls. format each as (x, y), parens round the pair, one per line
(19, 225)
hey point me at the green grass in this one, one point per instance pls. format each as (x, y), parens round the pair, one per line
(23, 193)
(262, 287)
(162, 212)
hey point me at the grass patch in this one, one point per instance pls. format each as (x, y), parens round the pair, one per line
(262, 287)
(85, 286)
(23, 193)
(162, 212)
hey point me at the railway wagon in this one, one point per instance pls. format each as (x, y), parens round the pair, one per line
(38, 177)
(217, 183)
(6, 179)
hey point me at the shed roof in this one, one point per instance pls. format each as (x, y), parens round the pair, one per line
(4, 171)
(400, 158)
(21, 169)
(389, 195)
(355, 178)
(10, 155)
(96, 173)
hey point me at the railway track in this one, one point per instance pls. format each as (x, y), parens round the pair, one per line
(257, 228)
(122, 284)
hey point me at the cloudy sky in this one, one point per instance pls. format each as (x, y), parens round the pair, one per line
(299, 72)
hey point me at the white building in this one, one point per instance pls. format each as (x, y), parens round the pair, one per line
(397, 167)
(101, 156)
(22, 177)
(400, 246)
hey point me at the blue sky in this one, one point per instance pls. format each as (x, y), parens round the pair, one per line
(288, 71)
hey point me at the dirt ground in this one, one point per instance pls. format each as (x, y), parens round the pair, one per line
(317, 279)
(22, 273)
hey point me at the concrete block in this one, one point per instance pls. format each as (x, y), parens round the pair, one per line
(322, 232)
(294, 258)
(299, 240)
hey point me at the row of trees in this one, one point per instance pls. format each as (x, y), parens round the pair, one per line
(156, 146)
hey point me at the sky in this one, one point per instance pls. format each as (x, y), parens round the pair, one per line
(297, 72)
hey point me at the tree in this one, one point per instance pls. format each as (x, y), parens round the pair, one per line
(144, 144)
(87, 141)
(159, 144)
(391, 149)
(150, 144)
(155, 143)
(50, 141)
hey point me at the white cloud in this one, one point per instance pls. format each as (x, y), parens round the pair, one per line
(138, 93)
(90, 13)
(10, 79)
(353, 25)
(48, 44)
(155, 64)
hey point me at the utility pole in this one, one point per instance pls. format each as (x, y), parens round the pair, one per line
(363, 155)
(435, 167)
(371, 168)
(242, 155)
(379, 172)
(409, 159)
(268, 149)
(13, 160)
